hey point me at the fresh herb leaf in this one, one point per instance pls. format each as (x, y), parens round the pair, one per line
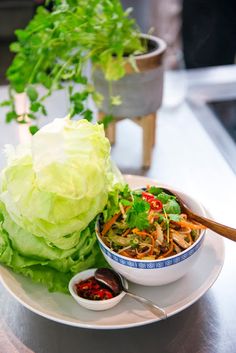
(15, 47)
(97, 98)
(126, 202)
(172, 207)
(58, 45)
(137, 215)
(33, 129)
(32, 93)
(11, 116)
(35, 106)
(164, 197)
(126, 192)
(88, 115)
(5, 103)
(107, 119)
(116, 100)
(155, 190)
(32, 116)
(174, 217)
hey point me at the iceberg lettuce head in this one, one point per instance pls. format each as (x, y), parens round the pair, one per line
(50, 193)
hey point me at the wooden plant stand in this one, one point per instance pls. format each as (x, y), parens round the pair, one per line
(148, 125)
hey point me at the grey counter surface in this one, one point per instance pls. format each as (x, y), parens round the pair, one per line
(209, 325)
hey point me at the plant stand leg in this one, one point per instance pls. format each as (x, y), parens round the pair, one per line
(154, 123)
(110, 131)
(148, 123)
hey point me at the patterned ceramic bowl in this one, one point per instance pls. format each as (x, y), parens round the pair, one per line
(156, 272)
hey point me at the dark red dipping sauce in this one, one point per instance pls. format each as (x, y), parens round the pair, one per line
(91, 289)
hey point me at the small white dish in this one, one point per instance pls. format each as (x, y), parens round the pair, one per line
(96, 305)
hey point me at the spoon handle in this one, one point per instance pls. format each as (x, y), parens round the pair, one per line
(149, 305)
(221, 229)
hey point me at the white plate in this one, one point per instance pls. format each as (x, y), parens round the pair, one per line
(173, 298)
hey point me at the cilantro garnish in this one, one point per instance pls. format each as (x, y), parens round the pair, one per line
(137, 214)
(155, 190)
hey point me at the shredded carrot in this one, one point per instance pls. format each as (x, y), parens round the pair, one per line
(184, 223)
(169, 251)
(138, 232)
(126, 232)
(154, 234)
(124, 253)
(109, 224)
(141, 255)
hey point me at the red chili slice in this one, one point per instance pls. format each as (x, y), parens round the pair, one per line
(156, 205)
(93, 290)
(107, 294)
(102, 294)
(147, 196)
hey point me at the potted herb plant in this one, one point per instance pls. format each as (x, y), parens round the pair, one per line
(139, 91)
(56, 47)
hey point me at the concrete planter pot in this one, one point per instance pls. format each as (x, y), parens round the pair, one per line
(141, 92)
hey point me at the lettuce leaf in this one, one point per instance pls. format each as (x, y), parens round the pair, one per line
(50, 193)
(54, 189)
(52, 267)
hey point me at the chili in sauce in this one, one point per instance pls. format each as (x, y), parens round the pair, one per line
(91, 289)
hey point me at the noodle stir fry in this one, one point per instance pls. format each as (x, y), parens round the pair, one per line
(148, 225)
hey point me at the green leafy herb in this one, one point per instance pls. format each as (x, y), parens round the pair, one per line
(32, 93)
(11, 116)
(174, 217)
(56, 47)
(126, 192)
(33, 129)
(126, 202)
(107, 119)
(164, 197)
(172, 207)
(155, 190)
(137, 215)
(116, 100)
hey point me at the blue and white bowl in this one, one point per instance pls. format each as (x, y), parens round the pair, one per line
(156, 272)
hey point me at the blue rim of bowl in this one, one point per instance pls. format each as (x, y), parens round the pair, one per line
(147, 264)
(151, 264)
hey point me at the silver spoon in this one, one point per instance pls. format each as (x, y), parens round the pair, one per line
(114, 281)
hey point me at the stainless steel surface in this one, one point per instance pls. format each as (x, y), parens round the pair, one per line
(225, 112)
(216, 86)
(209, 325)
